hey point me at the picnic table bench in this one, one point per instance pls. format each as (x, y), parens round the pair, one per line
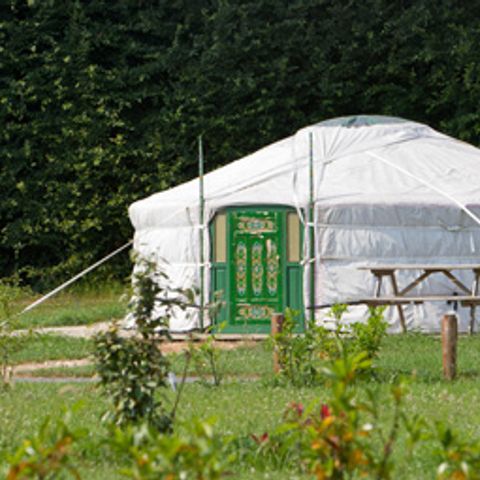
(469, 296)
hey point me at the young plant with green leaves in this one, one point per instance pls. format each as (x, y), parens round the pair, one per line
(367, 337)
(133, 371)
(206, 356)
(459, 456)
(303, 357)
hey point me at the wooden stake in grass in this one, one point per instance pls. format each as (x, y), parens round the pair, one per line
(449, 345)
(277, 326)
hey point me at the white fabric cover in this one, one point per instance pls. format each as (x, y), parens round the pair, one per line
(386, 191)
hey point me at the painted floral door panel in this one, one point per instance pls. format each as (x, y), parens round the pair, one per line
(256, 266)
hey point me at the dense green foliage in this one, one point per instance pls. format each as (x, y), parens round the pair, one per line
(101, 102)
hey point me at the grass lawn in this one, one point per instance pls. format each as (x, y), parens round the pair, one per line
(243, 361)
(39, 348)
(75, 307)
(83, 371)
(245, 407)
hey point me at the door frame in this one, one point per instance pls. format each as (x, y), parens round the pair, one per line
(223, 270)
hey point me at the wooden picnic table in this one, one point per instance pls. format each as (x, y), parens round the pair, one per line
(469, 295)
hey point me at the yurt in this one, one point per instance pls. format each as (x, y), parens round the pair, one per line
(294, 224)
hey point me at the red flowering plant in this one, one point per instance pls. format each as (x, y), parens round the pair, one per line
(340, 438)
(330, 438)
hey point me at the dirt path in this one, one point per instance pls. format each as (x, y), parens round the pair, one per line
(177, 346)
(78, 331)
(88, 331)
(32, 366)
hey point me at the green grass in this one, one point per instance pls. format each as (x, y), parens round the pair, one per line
(77, 307)
(24, 408)
(242, 408)
(39, 348)
(243, 361)
(84, 371)
(421, 356)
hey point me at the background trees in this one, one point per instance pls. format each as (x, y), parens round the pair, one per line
(101, 102)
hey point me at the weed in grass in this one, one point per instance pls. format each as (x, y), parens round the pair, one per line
(206, 356)
(367, 337)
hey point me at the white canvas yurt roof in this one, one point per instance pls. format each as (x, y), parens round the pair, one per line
(386, 190)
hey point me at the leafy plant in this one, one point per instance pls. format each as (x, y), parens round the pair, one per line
(133, 370)
(193, 451)
(341, 437)
(367, 337)
(46, 455)
(302, 357)
(206, 355)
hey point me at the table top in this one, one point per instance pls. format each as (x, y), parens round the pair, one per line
(421, 299)
(421, 266)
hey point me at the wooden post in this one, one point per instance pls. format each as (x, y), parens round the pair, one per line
(475, 285)
(449, 345)
(277, 326)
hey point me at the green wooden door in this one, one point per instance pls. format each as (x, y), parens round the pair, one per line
(256, 265)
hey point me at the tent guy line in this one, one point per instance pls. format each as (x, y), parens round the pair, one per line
(75, 278)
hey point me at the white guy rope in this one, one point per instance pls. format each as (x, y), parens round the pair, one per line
(75, 278)
(427, 184)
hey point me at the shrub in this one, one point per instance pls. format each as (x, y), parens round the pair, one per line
(367, 337)
(302, 357)
(131, 371)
